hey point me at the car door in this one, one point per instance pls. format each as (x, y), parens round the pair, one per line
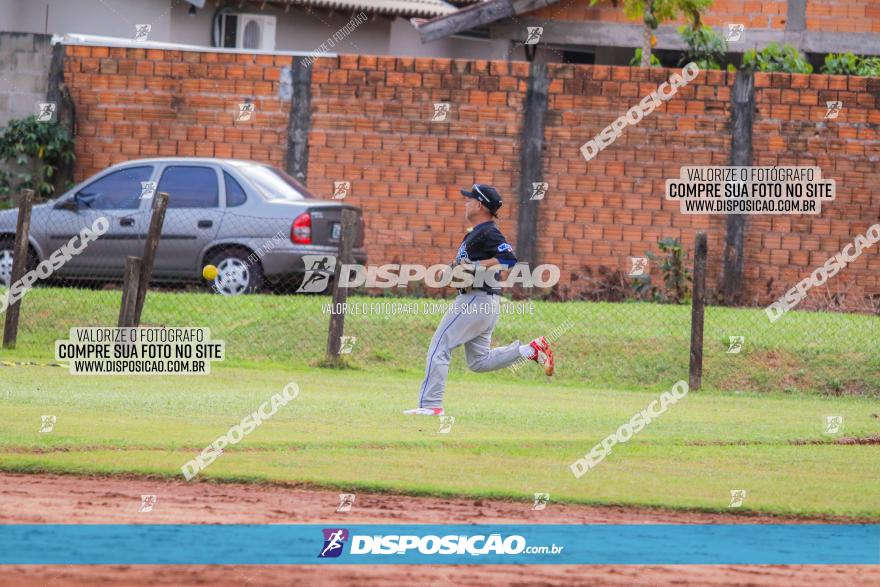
(192, 219)
(117, 197)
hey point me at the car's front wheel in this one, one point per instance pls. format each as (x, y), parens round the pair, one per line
(236, 275)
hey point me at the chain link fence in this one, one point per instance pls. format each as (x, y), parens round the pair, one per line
(619, 337)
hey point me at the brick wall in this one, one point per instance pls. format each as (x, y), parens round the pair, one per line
(602, 212)
(769, 14)
(845, 16)
(789, 130)
(372, 125)
(133, 103)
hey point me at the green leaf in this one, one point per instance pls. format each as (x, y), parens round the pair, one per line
(637, 59)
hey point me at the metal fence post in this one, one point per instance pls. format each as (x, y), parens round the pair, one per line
(697, 307)
(340, 294)
(159, 206)
(19, 266)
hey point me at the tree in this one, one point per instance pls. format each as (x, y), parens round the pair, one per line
(653, 12)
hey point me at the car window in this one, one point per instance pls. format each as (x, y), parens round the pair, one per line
(274, 184)
(120, 190)
(190, 186)
(235, 195)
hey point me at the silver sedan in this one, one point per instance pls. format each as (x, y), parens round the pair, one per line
(252, 221)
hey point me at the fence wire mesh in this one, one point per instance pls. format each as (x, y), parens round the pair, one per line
(629, 343)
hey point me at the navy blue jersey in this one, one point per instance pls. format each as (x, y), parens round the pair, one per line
(486, 241)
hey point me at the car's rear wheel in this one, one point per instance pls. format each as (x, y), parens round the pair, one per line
(235, 274)
(7, 251)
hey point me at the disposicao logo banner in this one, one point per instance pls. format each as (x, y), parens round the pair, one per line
(578, 544)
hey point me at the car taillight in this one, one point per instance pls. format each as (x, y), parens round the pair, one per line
(301, 229)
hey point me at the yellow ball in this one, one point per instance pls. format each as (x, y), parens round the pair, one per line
(209, 272)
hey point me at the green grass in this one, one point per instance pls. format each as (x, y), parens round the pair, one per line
(510, 438)
(624, 345)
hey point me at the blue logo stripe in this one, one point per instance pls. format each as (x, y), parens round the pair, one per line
(605, 544)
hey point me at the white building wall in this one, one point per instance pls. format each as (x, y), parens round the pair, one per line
(7, 12)
(115, 18)
(405, 40)
(296, 29)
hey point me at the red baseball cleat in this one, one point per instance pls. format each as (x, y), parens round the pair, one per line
(543, 355)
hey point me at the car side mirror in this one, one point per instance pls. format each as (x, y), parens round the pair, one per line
(70, 204)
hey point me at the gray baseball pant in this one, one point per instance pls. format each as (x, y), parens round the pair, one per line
(469, 322)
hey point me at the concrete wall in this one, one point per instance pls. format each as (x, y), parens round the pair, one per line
(24, 74)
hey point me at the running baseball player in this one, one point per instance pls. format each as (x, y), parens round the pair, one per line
(471, 319)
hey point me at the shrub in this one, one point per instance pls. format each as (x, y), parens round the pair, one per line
(775, 58)
(33, 152)
(869, 67)
(841, 64)
(676, 275)
(849, 64)
(705, 47)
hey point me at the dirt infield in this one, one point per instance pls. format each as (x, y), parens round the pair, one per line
(34, 499)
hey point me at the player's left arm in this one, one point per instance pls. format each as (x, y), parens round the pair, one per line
(501, 249)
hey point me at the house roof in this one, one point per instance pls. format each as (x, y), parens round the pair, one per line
(473, 15)
(408, 8)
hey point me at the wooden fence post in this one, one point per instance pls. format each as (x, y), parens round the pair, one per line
(19, 267)
(130, 287)
(697, 307)
(340, 294)
(159, 206)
